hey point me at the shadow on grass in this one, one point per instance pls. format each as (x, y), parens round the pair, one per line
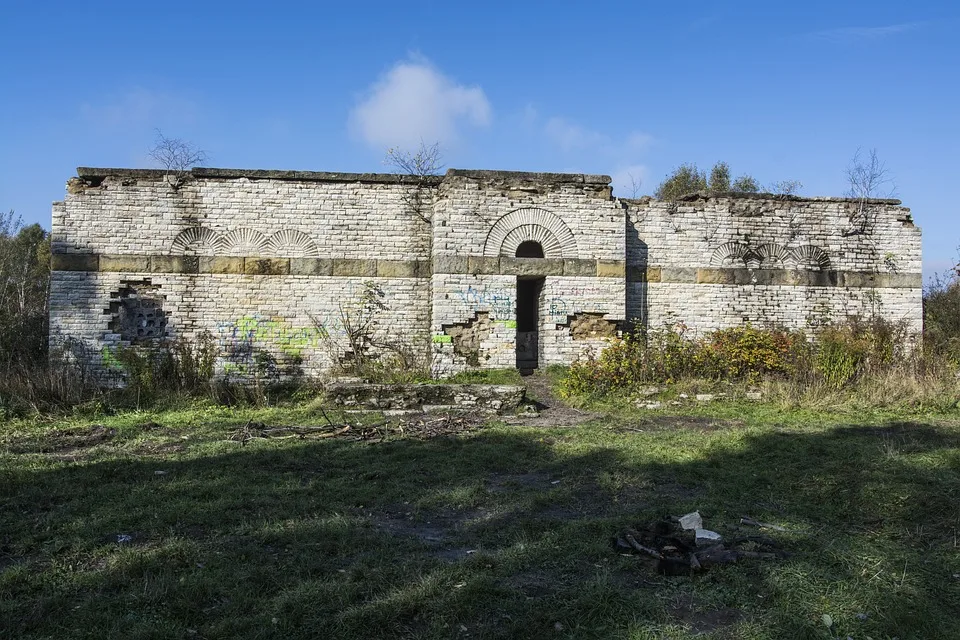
(503, 534)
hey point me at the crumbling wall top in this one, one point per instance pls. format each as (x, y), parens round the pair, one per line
(94, 173)
(714, 195)
(530, 176)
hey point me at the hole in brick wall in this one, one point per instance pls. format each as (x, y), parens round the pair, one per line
(587, 326)
(467, 336)
(138, 315)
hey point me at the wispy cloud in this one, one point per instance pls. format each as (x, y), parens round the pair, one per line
(572, 137)
(859, 34)
(620, 153)
(414, 101)
(138, 107)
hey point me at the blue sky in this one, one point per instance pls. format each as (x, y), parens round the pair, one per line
(780, 91)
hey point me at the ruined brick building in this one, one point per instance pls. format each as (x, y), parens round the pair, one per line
(484, 269)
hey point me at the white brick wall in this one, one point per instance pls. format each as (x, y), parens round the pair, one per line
(140, 214)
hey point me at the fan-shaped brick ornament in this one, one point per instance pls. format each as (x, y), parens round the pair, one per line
(196, 241)
(244, 242)
(290, 243)
(531, 224)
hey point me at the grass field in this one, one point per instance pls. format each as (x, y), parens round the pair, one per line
(156, 525)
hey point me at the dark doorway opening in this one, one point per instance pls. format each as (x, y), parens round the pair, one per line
(529, 290)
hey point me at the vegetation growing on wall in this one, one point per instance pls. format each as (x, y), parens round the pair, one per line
(687, 179)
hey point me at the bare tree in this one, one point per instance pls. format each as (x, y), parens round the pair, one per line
(176, 156)
(635, 183)
(786, 187)
(422, 163)
(867, 178)
(426, 160)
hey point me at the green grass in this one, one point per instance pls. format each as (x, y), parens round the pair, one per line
(504, 533)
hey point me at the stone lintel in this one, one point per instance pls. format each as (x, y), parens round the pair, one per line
(531, 266)
(483, 265)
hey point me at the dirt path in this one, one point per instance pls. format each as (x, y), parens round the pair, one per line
(551, 411)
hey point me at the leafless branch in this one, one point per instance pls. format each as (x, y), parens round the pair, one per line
(426, 161)
(867, 178)
(786, 187)
(176, 156)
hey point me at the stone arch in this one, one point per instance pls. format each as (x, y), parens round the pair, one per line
(810, 257)
(730, 254)
(244, 242)
(196, 241)
(531, 224)
(290, 243)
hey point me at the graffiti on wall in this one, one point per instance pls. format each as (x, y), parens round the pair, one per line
(501, 303)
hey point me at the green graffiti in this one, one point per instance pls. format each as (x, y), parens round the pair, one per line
(291, 341)
(108, 358)
(442, 339)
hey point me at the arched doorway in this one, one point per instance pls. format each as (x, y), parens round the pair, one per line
(529, 291)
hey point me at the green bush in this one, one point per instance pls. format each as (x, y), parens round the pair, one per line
(837, 355)
(748, 352)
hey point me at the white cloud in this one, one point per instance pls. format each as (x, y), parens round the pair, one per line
(139, 106)
(572, 137)
(856, 34)
(413, 101)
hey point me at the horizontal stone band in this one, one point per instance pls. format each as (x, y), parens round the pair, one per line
(250, 266)
(506, 266)
(782, 277)
(478, 265)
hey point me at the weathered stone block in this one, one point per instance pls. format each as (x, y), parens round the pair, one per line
(220, 264)
(396, 269)
(74, 262)
(450, 264)
(266, 266)
(483, 265)
(611, 269)
(354, 267)
(716, 276)
(579, 267)
(311, 267)
(531, 266)
(168, 264)
(128, 263)
(678, 274)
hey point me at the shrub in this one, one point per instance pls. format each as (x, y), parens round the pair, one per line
(838, 355)
(752, 353)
